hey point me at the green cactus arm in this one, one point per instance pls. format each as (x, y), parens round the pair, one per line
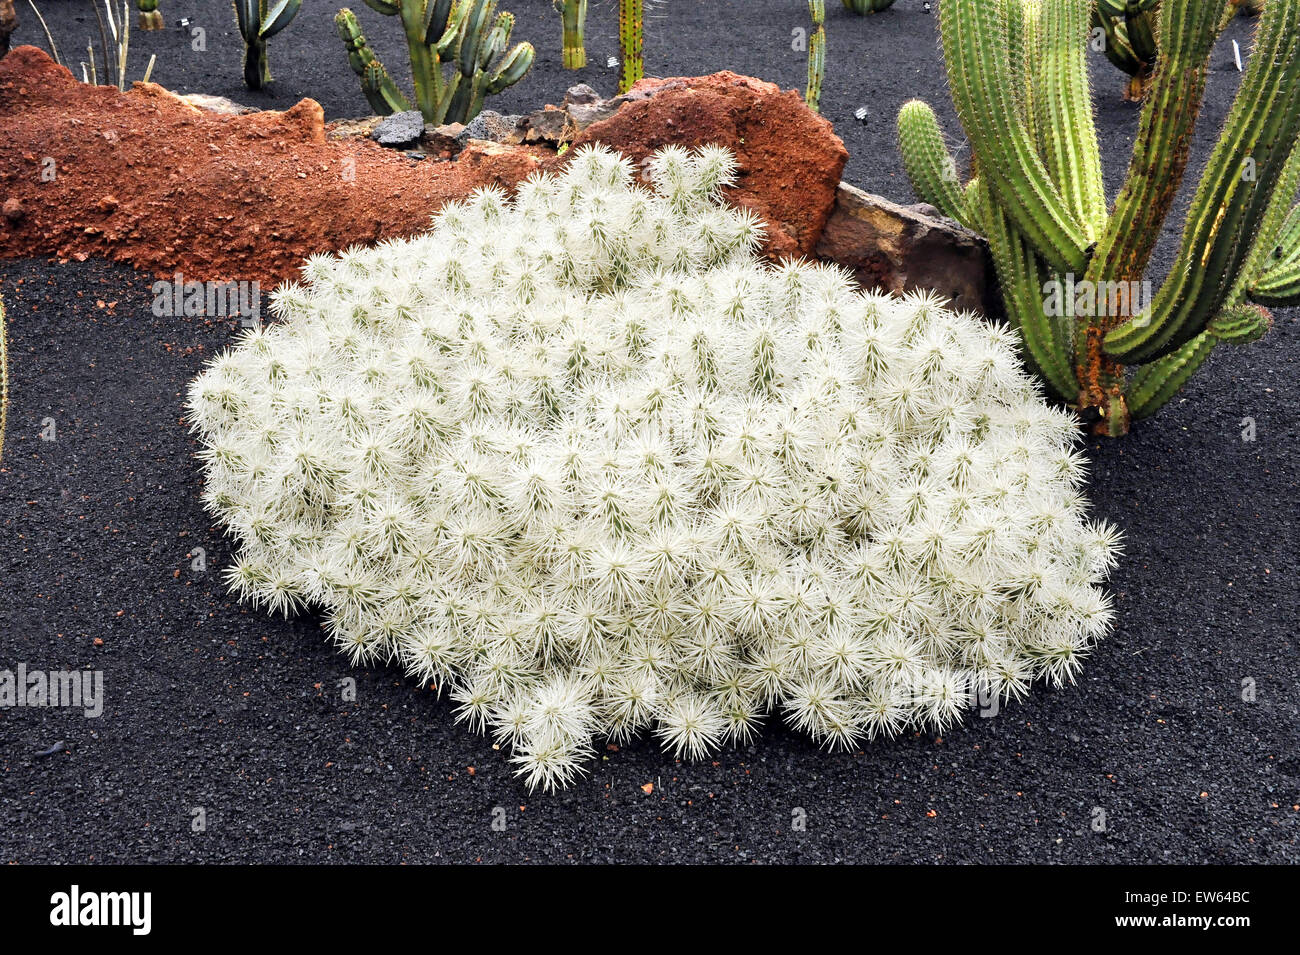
(386, 7)
(816, 55)
(1021, 279)
(1278, 280)
(1116, 45)
(927, 162)
(1278, 242)
(1140, 26)
(863, 7)
(473, 34)
(248, 14)
(1225, 215)
(631, 35)
(1162, 147)
(573, 15)
(977, 65)
(1155, 384)
(280, 16)
(1067, 135)
(513, 68)
(497, 40)
(380, 91)
(437, 15)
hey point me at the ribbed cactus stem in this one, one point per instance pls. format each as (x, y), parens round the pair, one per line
(1234, 195)
(929, 165)
(978, 65)
(816, 55)
(631, 37)
(149, 17)
(574, 17)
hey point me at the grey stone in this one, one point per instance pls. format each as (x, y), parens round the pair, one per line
(900, 248)
(218, 104)
(550, 126)
(492, 127)
(400, 131)
(581, 94)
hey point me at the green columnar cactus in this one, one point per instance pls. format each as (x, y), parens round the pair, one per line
(1039, 196)
(150, 17)
(461, 34)
(863, 7)
(631, 37)
(1129, 37)
(574, 16)
(258, 21)
(816, 55)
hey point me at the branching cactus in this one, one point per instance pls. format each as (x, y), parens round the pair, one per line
(458, 56)
(149, 17)
(1071, 269)
(816, 55)
(863, 7)
(258, 21)
(584, 462)
(573, 14)
(631, 38)
(1128, 36)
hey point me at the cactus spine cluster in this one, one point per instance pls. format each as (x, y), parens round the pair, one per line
(462, 34)
(258, 21)
(149, 16)
(816, 55)
(583, 461)
(573, 14)
(631, 38)
(863, 7)
(1018, 78)
(1128, 32)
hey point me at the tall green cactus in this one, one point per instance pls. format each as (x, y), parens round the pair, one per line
(1019, 81)
(631, 37)
(816, 55)
(258, 21)
(863, 7)
(1128, 35)
(461, 34)
(573, 14)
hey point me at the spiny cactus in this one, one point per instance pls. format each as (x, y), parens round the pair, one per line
(149, 16)
(1018, 78)
(816, 55)
(631, 38)
(259, 20)
(461, 34)
(863, 7)
(573, 14)
(1128, 34)
(582, 460)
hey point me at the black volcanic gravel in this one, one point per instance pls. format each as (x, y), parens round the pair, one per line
(213, 706)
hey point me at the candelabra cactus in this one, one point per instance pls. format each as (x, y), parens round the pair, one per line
(258, 21)
(816, 55)
(460, 34)
(631, 38)
(1128, 35)
(1037, 193)
(863, 7)
(573, 14)
(149, 17)
(581, 459)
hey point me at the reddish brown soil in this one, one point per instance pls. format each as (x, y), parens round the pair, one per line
(150, 180)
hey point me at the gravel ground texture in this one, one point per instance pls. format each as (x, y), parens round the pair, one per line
(228, 736)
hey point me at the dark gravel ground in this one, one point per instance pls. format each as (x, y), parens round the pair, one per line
(211, 706)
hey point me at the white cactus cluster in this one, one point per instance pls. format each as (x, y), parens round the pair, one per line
(585, 461)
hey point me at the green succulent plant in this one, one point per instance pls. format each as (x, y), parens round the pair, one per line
(863, 7)
(149, 17)
(460, 34)
(1017, 72)
(573, 14)
(258, 21)
(1128, 37)
(816, 55)
(631, 38)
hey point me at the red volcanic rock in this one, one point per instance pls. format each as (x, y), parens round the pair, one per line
(789, 157)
